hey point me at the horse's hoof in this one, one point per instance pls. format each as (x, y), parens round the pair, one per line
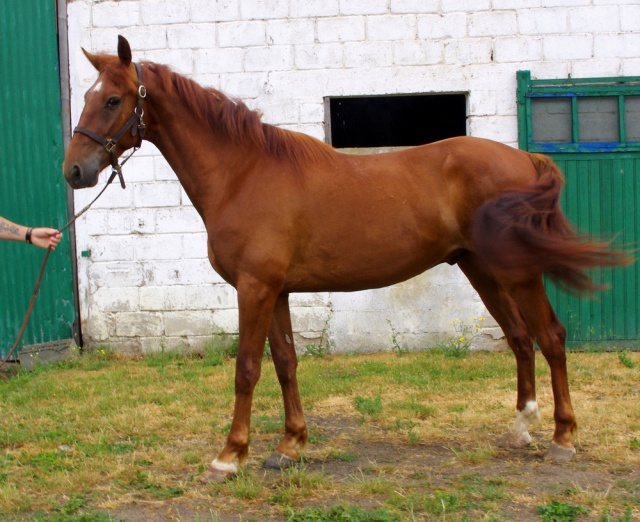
(219, 472)
(559, 453)
(279, 461)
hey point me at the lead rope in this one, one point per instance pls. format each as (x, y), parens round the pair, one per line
(116, 171)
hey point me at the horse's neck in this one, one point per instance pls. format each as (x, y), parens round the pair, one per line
(192, 150)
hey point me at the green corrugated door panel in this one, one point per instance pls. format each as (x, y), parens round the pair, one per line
(32, 190)
(600, 199)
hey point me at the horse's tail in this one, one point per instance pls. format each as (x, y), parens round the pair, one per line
(525, 231)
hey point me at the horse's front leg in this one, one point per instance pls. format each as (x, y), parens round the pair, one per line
(256, 302)
(286, 363)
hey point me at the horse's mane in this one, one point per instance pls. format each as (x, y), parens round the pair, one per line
(239, 124)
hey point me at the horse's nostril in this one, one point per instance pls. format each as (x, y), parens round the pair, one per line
(76, 174)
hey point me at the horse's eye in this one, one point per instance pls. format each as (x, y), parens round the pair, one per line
(113, 102)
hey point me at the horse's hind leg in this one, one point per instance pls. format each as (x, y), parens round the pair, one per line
(286, 363)
(532, 300)
(504, 310)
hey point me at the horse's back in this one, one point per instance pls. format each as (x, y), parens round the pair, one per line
(373, 220)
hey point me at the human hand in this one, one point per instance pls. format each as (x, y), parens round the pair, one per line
(46, 237)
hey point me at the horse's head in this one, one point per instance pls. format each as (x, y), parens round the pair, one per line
(111, 121)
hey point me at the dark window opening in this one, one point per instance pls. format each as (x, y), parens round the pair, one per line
(396, 121)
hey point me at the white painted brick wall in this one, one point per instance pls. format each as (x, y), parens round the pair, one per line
(439, 27)
(143, 273)
(391, 27)
(341, 29)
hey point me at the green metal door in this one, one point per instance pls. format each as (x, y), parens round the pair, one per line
(601, 198)
(591, 128)
(32, 189)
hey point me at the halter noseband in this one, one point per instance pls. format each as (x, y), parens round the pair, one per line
(109, 144)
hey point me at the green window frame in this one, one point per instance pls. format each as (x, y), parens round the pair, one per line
(575, 131)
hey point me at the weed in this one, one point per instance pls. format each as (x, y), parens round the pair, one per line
(50, 461)
(191, 457)
(369, 407)
(324, 345)
(213, 354)
(626, 517)
(315, 435)
(634, 445)
(74, 504)
(141, 481)
(630, 491)
(625, 360)
(219, 348)
(296, 481)
(560, 512)
(164, 357)
(89, 516)
(95, 359)
(372, 486)
(265, 424)
(442, 502)
(486, 490)
(246, 486)
(394, 341)
(344, 456)
(400, 425)
(342, 514)
(415, 409)
(464, 335)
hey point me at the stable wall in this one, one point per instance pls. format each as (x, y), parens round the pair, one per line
(144, 278)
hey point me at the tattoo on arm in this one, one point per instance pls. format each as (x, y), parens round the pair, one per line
(9, 228)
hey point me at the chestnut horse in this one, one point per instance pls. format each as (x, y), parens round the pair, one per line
(287, 213)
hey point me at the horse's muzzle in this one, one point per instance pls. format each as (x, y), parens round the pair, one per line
(78, 177)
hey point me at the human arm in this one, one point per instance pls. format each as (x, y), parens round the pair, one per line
(42, 237)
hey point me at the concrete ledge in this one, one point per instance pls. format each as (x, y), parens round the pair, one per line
(47, 353)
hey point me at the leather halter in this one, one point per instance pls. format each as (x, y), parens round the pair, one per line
(109, 144)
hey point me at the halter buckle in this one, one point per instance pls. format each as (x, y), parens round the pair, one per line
(110, 146)
(142, 91)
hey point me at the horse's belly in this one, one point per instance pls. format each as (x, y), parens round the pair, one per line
(361, 266)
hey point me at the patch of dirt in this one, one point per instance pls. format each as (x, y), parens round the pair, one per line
(9, 369)
(372, 452)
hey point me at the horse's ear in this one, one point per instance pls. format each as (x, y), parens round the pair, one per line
(124, 50)
(95, 59)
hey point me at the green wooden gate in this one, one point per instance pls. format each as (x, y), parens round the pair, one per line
(32, 189)
(591, 128)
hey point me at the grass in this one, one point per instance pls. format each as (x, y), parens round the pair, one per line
(343, 513)
(397, 436)
(560, 512)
